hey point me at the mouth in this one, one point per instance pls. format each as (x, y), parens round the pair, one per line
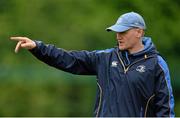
(120, 42)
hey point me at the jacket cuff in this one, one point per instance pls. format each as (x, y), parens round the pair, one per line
(34, 50)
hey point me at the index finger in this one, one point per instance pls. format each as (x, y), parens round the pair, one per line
(18, 38)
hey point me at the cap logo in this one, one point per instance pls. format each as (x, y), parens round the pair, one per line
(136, 23)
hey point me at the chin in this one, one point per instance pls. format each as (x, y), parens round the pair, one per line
(121, 48)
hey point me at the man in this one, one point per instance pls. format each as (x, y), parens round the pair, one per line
(133, 79)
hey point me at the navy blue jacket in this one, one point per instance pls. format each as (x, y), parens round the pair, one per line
(128, 84)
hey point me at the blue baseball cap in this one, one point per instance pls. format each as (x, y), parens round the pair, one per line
(127, 21)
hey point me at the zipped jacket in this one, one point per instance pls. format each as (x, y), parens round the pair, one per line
(136, 85)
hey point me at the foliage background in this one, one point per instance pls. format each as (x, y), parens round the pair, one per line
(28, 87)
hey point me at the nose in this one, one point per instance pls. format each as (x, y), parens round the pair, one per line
(118, 36)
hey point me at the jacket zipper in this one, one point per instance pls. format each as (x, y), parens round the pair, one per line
(126, 69)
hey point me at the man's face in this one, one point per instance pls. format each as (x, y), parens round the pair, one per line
(129, 39)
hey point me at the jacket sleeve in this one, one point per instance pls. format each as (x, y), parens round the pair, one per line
(164, 100)
(76, 62)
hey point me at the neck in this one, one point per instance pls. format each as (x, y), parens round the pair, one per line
(136, 49)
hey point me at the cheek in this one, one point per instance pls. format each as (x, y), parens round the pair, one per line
(130, 41)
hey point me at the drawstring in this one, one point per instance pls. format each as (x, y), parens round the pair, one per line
(145, 56)
(127, 58)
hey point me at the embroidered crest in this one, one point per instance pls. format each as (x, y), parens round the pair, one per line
(114, 64)
(141, 68)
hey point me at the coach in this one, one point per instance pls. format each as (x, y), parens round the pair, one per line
(132, 78)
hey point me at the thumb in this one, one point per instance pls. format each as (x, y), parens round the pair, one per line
(27, 45)
(18, 46)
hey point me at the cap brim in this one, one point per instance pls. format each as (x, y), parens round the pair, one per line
(118, 28)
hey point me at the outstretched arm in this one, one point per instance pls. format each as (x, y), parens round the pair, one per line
(76, 62)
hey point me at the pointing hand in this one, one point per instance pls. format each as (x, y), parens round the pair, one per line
(23, 42)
